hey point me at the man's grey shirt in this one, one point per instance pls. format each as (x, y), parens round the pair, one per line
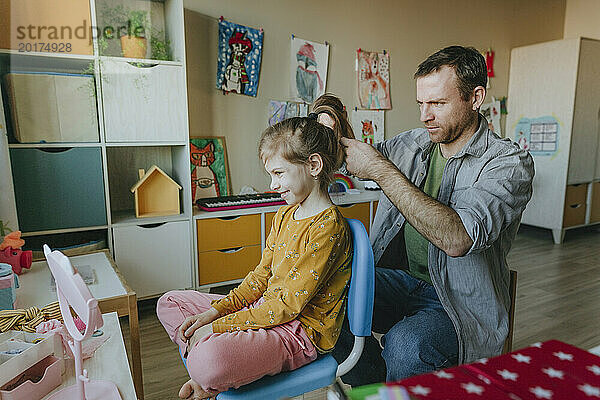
(488, 183)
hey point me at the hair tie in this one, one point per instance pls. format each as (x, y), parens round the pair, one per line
(313, 115)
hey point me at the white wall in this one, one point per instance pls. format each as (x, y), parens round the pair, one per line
(582, 18)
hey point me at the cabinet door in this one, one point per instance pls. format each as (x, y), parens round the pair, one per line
(58, 188)
(143, 102)
(595, 212)
(226, 265)
(154, 258)
(359, 211)
(228, 233)
(575, 205)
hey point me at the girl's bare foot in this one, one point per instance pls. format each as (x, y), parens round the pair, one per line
(191, 390)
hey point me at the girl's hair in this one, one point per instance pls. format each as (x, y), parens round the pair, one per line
(333, 106)
(295, 139)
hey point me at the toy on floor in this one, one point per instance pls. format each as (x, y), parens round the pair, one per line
(11, 253)
(72, 292)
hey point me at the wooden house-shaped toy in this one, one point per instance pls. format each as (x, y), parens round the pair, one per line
(156, 194)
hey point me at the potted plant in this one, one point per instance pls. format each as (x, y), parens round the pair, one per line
(134, 44)
(130, 26)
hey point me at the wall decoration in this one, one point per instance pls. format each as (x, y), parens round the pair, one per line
(341, 183)
(538, 135)
(373, 73)
(209, 167)
(368, 125)
(491, 112)
(280, 110)
(238, 62)
(489, 62)
(308, 69)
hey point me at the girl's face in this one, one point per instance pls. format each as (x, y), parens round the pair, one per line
(293, 181)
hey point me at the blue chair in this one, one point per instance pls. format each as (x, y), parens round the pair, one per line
(323, 371)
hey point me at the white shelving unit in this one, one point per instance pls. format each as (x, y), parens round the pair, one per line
(559, 80)
(142, 120)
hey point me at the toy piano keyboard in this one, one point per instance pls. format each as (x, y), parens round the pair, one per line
(240, 201)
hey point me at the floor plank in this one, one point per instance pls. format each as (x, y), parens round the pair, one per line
(558, 297)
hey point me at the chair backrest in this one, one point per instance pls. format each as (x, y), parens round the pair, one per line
(511, 312)
(362, 283)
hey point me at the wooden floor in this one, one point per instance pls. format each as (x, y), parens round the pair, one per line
(558, 297)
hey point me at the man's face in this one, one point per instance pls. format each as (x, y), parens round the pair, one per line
(443, 111)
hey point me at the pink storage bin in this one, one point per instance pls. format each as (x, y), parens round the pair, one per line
(48, 368)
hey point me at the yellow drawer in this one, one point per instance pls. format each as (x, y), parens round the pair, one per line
(220, 233)
(220, 266)
(575, 198)
(359, 211)
(595, 211)
(268, 222)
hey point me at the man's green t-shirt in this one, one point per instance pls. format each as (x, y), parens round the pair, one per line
(416, 244)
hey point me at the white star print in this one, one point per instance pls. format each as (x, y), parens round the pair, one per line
(472, 388)
(521, 358)
(553, 373)
(443, 375)
(483, 361)
(563, 356)
(506, 374)
(537, 344)
(541, 393)
(594, 369)
(484, 379)
(589, 390)
(420, 390)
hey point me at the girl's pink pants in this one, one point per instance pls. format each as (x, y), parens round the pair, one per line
(224, 360)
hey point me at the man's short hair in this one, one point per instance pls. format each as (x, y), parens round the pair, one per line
(468, 64)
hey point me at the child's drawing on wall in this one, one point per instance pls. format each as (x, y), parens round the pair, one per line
(208, 162)
(491, 112)
(308, 69)
(374, 80)
(368, 125)
(238, 63)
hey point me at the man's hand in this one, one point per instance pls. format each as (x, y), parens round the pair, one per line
(361, 158)
(191, 324)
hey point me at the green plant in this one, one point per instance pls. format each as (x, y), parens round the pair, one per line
(4, 228)
(90, 87)
(160, 46)
(118, 17)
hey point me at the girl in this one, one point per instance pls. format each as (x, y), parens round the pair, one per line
(291, 307)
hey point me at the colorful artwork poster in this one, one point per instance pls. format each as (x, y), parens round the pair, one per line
(538, 135)
(209, 167)
(373, 73)
(308, 69)
(491, 112)
(238, 62)
(368, 125)
(280, 110)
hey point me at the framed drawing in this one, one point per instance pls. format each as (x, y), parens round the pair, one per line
(209, 167)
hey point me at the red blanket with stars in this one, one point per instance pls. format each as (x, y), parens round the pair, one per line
(549, 370)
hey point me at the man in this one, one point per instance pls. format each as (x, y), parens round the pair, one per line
(454, 195)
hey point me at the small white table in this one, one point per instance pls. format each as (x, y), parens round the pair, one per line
(110, 289)
(108, 363)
